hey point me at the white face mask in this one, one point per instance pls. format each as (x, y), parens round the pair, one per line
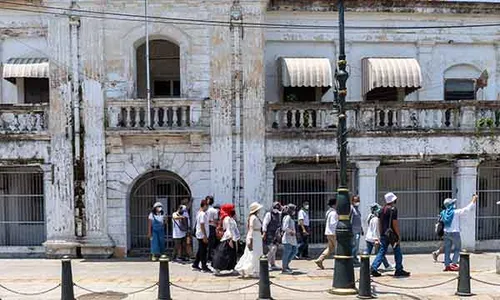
(275, 210)
(306, 207)
(356, 204)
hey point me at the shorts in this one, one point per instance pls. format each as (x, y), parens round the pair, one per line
(180, 242)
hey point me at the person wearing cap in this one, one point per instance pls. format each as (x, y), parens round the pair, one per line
(202, 234)
(271, 230)
(331, 219)
(156, 230)
(389, 235)
(289, 238)
(372, 237)
(451, 220)
(249, 264)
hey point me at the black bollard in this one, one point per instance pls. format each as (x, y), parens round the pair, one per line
(164, 288)
(463, 288)
(264, 282)
(365, 288)
(67, 292)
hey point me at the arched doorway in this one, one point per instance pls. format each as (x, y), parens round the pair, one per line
(163, 186)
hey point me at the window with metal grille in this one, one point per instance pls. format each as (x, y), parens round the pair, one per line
(459, 89)
(22, 217)
(488, 212)
(315, 183)
(421, 190)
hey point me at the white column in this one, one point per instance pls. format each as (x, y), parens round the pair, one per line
(367, 186)
(270, 166)
(466, 178)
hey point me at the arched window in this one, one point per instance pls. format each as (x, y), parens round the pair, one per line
(164, 64)
(460, 82)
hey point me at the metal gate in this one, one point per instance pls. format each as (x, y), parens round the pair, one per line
(421, 190)
(163, 186)
(316, 183)
(22, 217)
(488, 212)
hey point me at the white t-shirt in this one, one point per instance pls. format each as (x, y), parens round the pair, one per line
(202, 220)
(455, 223)
(176, 231)
(372, 234)
(213, 216)
(304, 216)
(332, 219)
(231, 231)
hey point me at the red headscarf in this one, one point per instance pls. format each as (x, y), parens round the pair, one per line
(226, 211)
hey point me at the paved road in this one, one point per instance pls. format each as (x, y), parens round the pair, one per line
(119, 277)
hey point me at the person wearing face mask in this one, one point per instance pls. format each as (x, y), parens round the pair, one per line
(304, 223)
(156, 231)
(271, 229)
(179, 233)
(289, 239)
(389, 235)
(357, 229)
(451, 220)
(202, 234)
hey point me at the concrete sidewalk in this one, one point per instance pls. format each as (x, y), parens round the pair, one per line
(120, 277)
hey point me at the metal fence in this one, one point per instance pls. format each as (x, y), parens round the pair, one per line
(316, 183)
(22, 217)
(488, 212)
(161, 186)
(421, 190)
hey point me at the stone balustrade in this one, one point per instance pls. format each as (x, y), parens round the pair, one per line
(388, 116)
(23, 118)
(165, 114)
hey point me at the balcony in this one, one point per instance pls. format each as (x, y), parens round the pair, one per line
(24, 119)
(167, 115)
(391, 118)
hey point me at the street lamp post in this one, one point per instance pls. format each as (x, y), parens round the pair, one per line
(343, 278)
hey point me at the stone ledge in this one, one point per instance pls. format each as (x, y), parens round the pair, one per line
(498, 264)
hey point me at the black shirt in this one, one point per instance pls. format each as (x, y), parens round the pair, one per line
(385, 217)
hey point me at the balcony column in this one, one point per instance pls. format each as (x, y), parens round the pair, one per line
(466, 184)
(425, 51)
(367, 187)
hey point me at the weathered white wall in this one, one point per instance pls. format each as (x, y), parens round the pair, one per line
(130, 158)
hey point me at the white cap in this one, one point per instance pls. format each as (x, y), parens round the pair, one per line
(449, 201)
(390, 197)
(157, 204)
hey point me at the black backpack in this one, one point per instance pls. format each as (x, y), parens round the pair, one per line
(439, 227)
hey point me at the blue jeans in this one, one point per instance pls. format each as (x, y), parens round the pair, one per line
(452, 239)
(289, 252)
(355, 247)
(369, 249)
(398, 255)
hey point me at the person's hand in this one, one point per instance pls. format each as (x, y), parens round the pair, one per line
(149, 236)
(377, 242)
(250, 245)
(231, 244)
(264, 236)
(474, 198)
(205, 240)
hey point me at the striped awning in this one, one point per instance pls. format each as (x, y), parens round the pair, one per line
(306, 72)
(26, 68)
(391, 73)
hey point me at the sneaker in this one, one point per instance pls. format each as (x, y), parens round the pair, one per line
(196, 268)
(216, 272)
(402, 273)
(319, 264)
(390, 268)
(206, 270)
(375, 273)
(154, 258)
(435, 255)
(287, 272)
(455, 267)
(274, 268)
(297, 258)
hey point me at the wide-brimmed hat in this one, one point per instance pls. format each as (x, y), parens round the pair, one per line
(448, 201)
(390, 197)
(255, 207)
(157, 204)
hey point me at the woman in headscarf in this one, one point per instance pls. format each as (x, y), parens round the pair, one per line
(249, 265)
(225, 255)
(156, 231)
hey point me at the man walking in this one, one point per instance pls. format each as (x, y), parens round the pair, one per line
(271, 229)
(213, 220)
(451, 219)
(304, 224)
(389, 235)
(202, 234)
(332, 219)
(357, 229)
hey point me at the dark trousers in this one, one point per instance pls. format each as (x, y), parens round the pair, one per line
(201, 255)
(212, 242)
(304, 244)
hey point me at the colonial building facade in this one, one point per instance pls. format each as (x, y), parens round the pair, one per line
(242, 108)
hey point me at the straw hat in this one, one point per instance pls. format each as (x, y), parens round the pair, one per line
(255, 207)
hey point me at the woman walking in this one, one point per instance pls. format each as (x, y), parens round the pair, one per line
(289, 239)
(373, 234)
(225, 255)
(156, 231)
(248, 266)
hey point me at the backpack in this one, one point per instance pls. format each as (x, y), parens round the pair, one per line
(439, 227)
(392, 237)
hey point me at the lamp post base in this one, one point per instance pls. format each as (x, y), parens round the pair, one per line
(343, 291)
